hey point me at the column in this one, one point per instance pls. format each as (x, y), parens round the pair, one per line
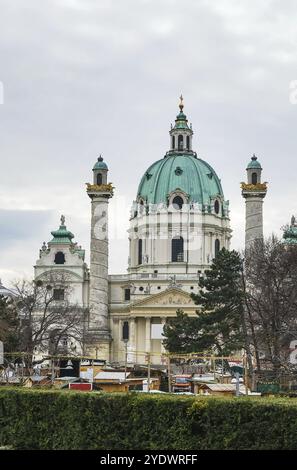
(120, 341)
(163, 350)
(148, 334)
(253, 219)
(132, 340)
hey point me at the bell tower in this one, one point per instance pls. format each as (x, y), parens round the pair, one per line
(254, 192)
(98, 330)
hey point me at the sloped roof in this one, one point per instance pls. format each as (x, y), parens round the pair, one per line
(112, 375)
(220, 387)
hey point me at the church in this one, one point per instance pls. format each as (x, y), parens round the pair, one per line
(179, 221)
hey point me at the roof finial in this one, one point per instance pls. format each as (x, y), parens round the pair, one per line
(181, 104)
(254, 157)
(100, 158)
(62, 219)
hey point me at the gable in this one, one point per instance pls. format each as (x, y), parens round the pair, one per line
(168, 298)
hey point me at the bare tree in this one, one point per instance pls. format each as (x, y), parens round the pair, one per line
(271, 300)
(48, 317)
(9, 324)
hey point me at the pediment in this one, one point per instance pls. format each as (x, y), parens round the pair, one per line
(168, 298)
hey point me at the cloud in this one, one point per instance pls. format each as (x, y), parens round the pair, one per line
(83, 77)
(20, 232)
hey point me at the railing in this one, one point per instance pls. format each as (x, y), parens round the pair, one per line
(165, 277)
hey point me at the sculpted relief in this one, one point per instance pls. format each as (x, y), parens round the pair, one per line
(172, 299)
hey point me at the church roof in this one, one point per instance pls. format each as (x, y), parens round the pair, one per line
(254, 163)
(181, 121)
(62, 235)
(100, 164)
(184, 172)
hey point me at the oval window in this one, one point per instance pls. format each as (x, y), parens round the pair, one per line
(178, 202)
(217, 207)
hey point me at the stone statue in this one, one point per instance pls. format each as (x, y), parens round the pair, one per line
(148, 289)
(173, 282)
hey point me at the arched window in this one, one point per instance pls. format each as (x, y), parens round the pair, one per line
(173, 142)
(177, 250)
(180, 142)
(217, 247)
(217, 206)
(99, 178)
(188, 142)
(140, 251)
(59, 258)
(125, 331)
(178, 202)
(254, 178)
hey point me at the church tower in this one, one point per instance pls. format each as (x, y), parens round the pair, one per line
(254, 192)
(98, 333)
(181, 134)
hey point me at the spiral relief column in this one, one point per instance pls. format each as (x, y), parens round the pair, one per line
(98, 329)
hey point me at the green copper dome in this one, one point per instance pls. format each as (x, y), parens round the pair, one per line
(62, 235)
(254, 163)
(183, 172)
(181, 121)
(100, 164)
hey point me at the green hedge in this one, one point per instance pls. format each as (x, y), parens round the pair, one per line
(46, 419)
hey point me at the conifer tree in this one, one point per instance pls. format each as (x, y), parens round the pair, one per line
(219, 324)
(221, 302)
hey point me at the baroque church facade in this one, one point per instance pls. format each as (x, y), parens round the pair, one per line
(178, 223)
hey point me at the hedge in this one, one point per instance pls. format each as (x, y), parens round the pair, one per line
(48, 419)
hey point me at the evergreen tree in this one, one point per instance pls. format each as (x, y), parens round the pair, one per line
(221, 302)
(219, 325)
(181, 333)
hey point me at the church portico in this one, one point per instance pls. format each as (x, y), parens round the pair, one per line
(146, 319)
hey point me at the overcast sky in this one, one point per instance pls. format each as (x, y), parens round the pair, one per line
(84, 77)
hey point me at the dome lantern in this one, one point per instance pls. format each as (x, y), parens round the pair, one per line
(100, 170)
(181, 134)
(254, 171)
